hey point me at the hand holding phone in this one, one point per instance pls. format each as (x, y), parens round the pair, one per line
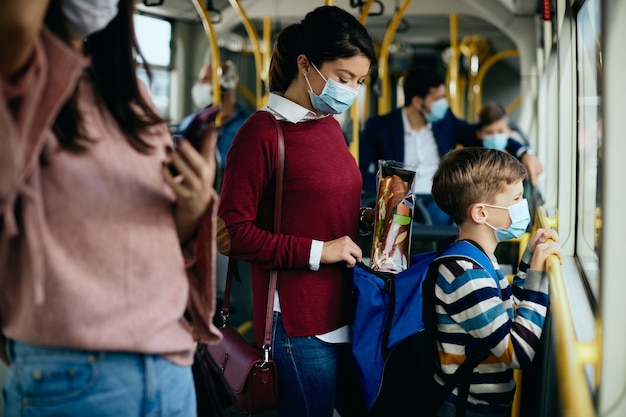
(198, 126)
(195, 129)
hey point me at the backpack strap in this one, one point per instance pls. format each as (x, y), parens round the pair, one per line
(475, 353)
(467, 249)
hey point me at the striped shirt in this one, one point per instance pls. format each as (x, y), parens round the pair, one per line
(505, 319)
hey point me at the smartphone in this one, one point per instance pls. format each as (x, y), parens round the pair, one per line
(194, 127)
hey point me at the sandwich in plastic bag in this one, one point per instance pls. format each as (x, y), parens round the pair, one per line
(394, 216)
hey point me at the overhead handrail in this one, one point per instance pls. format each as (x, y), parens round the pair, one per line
(367, 5)
(571, 354)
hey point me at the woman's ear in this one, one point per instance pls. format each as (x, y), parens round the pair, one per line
(303, 64)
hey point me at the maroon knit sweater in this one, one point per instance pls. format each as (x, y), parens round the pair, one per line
(321, 199)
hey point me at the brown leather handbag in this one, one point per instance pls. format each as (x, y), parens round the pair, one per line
(248, 368)
(250, 376)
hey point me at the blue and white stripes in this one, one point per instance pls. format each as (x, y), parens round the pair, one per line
(471, 307)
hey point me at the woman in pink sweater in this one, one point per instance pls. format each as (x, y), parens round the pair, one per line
(316, 70)
(93, 281)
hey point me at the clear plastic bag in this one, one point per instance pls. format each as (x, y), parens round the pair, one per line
(394, 216)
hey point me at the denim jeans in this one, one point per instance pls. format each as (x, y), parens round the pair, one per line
(449, 410)
(63, 382)
(315, 377)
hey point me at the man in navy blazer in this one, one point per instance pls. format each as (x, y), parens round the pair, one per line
(419, 134)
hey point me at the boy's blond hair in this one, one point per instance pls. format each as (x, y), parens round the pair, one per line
(473, 175)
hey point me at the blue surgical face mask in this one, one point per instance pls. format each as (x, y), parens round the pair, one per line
(335, 98)
(497, 141)
(437, 110)
(520, 217)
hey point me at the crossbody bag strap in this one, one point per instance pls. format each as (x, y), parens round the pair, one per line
(278, 209)
(232, 263)
(232, 271)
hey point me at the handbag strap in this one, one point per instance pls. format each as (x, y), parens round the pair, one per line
(278, 211)
(232, 264)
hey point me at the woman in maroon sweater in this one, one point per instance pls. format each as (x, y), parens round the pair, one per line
(316, 70)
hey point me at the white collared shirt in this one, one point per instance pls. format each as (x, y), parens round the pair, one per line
(284, 109)
(420, 150)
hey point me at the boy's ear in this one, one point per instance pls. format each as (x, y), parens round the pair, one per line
(477, 213)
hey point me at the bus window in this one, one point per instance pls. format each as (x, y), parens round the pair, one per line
(589, 139)
(154, 36)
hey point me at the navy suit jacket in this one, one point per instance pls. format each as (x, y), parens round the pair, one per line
(383, 138)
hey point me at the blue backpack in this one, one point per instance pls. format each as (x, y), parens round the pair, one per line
(394, 334)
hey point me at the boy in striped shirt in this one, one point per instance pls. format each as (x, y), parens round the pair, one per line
(482, 191)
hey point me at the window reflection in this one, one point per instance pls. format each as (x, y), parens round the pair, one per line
(589, 62)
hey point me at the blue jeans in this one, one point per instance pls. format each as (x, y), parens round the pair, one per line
(63, 382)
(449, 410)
(315, 377)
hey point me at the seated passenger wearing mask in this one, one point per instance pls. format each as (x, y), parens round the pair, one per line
(419, 134)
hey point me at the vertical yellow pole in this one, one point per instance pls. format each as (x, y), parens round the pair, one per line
(453, 68)
(215, 53)
(354, 109)
(256, 47)
(384, 102)
(267, 53)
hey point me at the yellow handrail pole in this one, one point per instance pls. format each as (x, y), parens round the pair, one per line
(215, 53)
(365, 10)
(544, 221)
(575, 394)
(522, 242)
(453, 68)
(256, 46)
(477, 85)
(383, 73)
(513, 105)
(571, 354)
(354, 109)
(329, 2)
(244, 91)
(267, 53)
(598, 350)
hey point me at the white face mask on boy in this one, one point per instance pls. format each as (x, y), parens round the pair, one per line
(85, 17)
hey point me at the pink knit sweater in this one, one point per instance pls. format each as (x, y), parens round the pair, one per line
(89, 255)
